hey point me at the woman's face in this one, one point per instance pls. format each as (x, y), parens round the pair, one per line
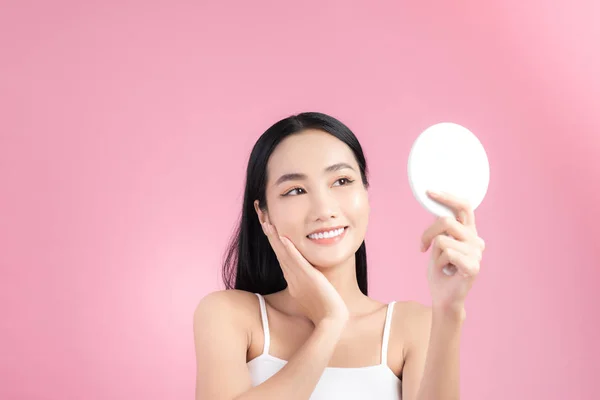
(314, 185)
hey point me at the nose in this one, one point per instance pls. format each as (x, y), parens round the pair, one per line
(323, 206)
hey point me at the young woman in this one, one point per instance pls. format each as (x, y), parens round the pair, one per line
(296, 321)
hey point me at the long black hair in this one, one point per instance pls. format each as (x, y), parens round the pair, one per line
(250, 263)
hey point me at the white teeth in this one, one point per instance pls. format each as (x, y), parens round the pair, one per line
(326, 235)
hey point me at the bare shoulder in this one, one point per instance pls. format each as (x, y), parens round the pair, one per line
(412, 312)
(412, 321)
(225, 299)
(222, 333)
(230, 305)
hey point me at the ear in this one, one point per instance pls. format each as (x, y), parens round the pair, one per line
(262, 216)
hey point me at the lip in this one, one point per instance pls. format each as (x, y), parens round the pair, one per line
(333, 228)
(332, 240)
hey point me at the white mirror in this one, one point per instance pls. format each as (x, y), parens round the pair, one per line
(448, 157)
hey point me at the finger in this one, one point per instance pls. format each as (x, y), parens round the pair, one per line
(462, 208)
(448, 226)
(466, 266)
(278, 247)
(295, 255)
(443, 242)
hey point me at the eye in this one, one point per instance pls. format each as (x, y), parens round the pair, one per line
(293, 192)
(298, 190)
(344, 181)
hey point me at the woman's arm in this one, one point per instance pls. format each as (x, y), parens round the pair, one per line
(453, 241)
(221, 346)
(298, 378)
(431, 367)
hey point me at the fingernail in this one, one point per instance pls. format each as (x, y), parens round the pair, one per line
(433, 193)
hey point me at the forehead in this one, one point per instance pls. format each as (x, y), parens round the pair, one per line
(309, 152)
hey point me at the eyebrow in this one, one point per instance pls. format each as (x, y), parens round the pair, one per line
(296, 176)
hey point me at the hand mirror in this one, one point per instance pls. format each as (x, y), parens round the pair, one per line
(447, 157)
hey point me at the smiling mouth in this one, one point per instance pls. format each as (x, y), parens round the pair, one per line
(332, 236)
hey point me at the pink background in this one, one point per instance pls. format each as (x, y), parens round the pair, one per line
(124, 134)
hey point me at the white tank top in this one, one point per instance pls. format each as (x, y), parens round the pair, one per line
(372, 382)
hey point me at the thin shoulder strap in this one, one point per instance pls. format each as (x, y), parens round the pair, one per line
(386, 332)
(265, 323)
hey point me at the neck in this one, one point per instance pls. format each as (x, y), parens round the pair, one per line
(343, 279)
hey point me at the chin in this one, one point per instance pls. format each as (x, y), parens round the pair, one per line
(324, 263)
(325, 258)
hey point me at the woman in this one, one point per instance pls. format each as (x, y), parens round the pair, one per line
(296, 321)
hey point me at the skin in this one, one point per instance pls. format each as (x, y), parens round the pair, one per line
(323, 313)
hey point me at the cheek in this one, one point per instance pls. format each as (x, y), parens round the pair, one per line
(287, 218)
(357, 207)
